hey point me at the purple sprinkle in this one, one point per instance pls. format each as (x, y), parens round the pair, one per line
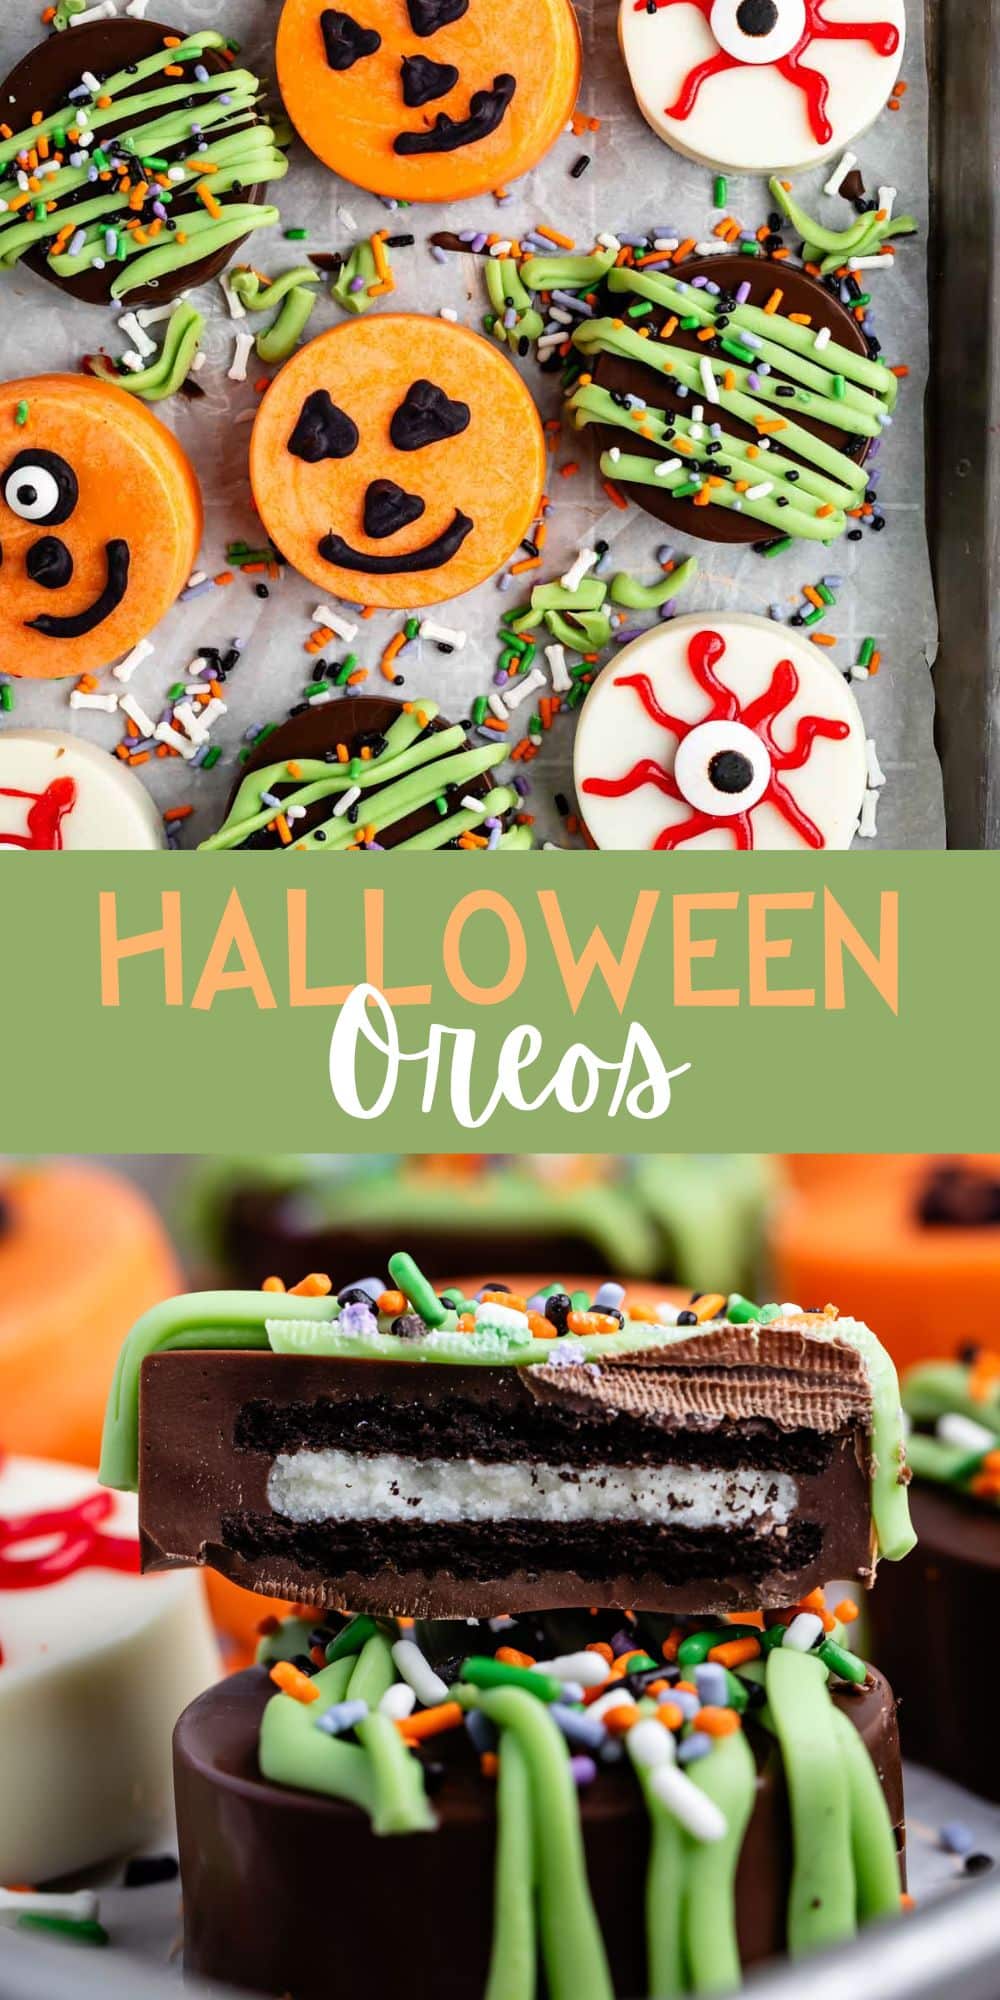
(711, 286)
(664, 555)
(697, 1745)
(634, 242)
(521, 785)
(197, 589)
(467, 236)
(357, 284)
(92, 174)
(956, 1838)
(584, 1770)
(699, 284)
(622, 1642)
(77, 241)
(358, 1318)
(478, 241)
(743, 293)
(225, 97)
(627, 633)
(201, 73)
(510, 316)
(668, 610)
(439, 255)
(504, 582)
(160, 211)
(753, 379)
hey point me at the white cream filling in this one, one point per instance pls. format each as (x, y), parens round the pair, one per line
(344, 1486)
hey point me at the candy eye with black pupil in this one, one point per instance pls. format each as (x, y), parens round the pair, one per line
(345, 41)
(388, 508)
(758, 31)
(40, 486)
(322, 430)
(427, 16)
(424, 80)
(426, 416)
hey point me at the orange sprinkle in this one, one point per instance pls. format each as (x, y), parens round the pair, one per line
(178, 812)
(391, 1303)
(315, 1286)
(512, 1299)
(510, 1657)
(205, 194)
(566, 471)
(489, 1764)
(823, 638)
(430, 1721)
(273, 1285)
(619, 1720)
(600, 1646)
(735, 1652)
(846, 1611)
(529, 562)
(901, 371)
(670, 1714)
(617, 499)
(683, 250)
(716, 1721)
(709, 1306)
(554, 236)
(395, 645)
(822, 512)
(291, 1680)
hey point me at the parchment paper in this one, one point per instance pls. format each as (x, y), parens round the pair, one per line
(634, 181)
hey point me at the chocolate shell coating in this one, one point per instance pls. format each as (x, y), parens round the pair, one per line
(802, 294)
(286, 1892)
(316, 732)
(935, 1622)
(42, 80)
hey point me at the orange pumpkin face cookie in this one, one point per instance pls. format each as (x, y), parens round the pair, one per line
(429, 100)
(100, 520)
(397, 461)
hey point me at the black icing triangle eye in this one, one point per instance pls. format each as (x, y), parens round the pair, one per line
(424, 80)
(388, 508)
(427, 16)
(345, 41)
(322, 430)
(425, 416)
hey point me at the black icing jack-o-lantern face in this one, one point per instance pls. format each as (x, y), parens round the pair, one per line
(99, 524)
(433, 100)
(394, 487)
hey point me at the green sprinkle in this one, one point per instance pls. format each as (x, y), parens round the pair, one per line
(535, 728)
(441, 807)
(720, 191)
(346, 668)
(296, 235)
(695, 1649)
(316, 687)
(865, 654)
(6, 697)
(640, 311)
(422, 1296)
(485, 1672)
(689, 322)
(825, 593)
(84, 1931)
(480, 710)
(774, 1635)
(688, 487)
(738, 351)
(750, 247)
(768, 1313)
(740, 1311)
(837, 1660)
(838, 388)
(777, 548)
(412, 628)
(350, 1640)
(175, 693)
(209, 761)
(818, 612)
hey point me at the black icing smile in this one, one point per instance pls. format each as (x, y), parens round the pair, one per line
(433, 555)
(487, 109)
(79, 623)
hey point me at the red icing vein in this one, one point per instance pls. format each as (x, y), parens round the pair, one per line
(46, 813)
(72, 1541)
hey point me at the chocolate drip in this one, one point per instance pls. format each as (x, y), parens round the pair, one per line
(448, 135)
(433, 555)
(345, 41)
(424, 80)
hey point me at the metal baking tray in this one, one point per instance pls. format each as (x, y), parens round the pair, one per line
(963, 410)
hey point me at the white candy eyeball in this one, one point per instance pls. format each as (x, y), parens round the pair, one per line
(722, 768)
(40, 486)
(758, 31)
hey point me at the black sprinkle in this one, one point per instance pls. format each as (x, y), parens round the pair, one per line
(579, 166)
(978, 1864)
(144, 1869)
(399, 242)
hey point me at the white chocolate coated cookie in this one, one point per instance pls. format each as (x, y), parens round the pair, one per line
(60, 793)
(720, 732)
(97, 1664)
(761, 86)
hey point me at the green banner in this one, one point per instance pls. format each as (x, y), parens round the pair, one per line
(565, 1002)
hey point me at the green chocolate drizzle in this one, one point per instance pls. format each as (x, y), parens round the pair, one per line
(143, 139)
(807, 486)
(414, 769)
(938, 1389)
(821, 1908)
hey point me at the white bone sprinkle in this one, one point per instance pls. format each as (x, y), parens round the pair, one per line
(107, 702)
(241, 355)
(131, 326)
(876, 775)
(562, 679)
(443, 635)
(840, 173)
(337, 623)
(126, 667)
(868, 823)
(131, 707)
(583, 561)
(513, 696)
